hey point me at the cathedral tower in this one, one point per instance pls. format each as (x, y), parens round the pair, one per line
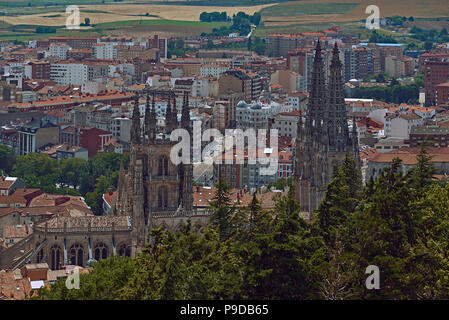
(153, 187)
(322, 135)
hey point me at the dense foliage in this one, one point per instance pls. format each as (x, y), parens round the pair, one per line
(73, 176)
(7, 159)
(394, 92)
(430, 35)
(214, 16)
(241, 24)
(380, 38)
(398, 222)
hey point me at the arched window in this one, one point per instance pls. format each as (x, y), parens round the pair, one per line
(101, 251)
(76, 254)
(40, 255)
(163, 166)
(55, 257)
(162, 199)
(124, 250)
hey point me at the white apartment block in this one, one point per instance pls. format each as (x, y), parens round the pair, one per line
(121, 128)
(59, 50)
(104, 51)
(297, 100)
(204, 87)
(68, 73)
(400, 125)
(286, 123)
(394, 66)
(15, 68)
(214, 70)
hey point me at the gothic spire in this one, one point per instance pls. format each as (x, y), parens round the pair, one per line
(337, 122)
(185, 116)
(135, 126)
(355, 140)
(299, 129)
(336, 63)
(171, 117)
(147, 118)
(150, 119)
(186, 168)
(317, 97)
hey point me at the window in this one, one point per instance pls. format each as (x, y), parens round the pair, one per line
(162, 198)
(101, 251)
(55, 257)
(163, 166)
(76, 254)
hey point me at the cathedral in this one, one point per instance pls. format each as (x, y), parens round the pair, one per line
(153, 187)
(323, 137)
(152, 192)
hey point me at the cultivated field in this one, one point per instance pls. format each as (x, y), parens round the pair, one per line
(125, 12)
(181, 17)
(324, 11)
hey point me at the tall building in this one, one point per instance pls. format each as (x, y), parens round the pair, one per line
(104, 51)
(323, 138)
(280, 44)
(153, 186)
(435, 73)
(159, 43)
(74, 42)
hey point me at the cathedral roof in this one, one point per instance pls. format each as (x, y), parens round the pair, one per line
(83, 222)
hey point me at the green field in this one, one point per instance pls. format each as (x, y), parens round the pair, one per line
(286, 9)
(27, 32)
(54, 3)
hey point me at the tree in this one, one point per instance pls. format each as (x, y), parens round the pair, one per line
(210, 44)
(428, 45)
(94, 199)
(37, 170)
(71, 170)
(421, 175)
(380, 78)
(340, 200)
(186, 265)
(288, 252)
(104, 282)
(180, 43)
(222, 209)
(7, 159)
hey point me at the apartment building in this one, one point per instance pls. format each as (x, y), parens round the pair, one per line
(104, 51)
(435, 73)
(65, 73)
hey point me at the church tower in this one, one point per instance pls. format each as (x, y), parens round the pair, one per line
(154, 187)
(322, 135)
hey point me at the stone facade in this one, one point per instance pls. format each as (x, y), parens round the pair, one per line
(153, 190)
(323, 138)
